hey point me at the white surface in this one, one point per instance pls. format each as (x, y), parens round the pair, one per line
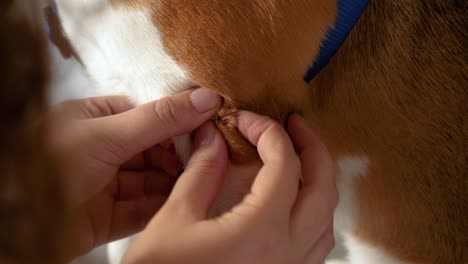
(122, 50)
(68, 79)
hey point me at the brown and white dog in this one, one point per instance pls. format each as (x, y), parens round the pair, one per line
(390, 105)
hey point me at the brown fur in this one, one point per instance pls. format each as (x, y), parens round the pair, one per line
(398, 89)
(262, 61)
(396, 92)
(31, 205)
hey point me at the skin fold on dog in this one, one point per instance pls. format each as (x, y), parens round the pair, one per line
(390, 105)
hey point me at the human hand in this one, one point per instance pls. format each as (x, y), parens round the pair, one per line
(117, 174)
(277, 222)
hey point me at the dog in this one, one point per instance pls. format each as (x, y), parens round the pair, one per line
(390, 104)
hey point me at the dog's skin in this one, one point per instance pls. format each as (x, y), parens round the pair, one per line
(390, 105)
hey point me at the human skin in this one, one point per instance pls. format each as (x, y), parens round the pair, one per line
(118, 176)
(277, 222)
(117, 173)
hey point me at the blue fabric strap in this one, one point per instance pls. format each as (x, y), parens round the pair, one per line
(349, 11)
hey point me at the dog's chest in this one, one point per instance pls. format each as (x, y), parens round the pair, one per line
(123, 53)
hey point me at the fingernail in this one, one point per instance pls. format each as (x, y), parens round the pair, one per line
(208, 134)
(204, 99)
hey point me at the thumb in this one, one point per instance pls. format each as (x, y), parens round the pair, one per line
(199, 185)
(136, 130)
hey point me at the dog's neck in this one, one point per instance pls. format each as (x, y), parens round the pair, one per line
(349, 12)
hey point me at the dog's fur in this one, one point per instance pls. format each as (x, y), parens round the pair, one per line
(390, 105)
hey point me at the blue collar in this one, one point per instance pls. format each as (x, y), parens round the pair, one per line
(349, 11)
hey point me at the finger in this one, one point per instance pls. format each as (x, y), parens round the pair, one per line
(131, 132)
(317, 197)
(157, 157)
(165, 159)
(277, 182)
(322, 248)
(94, 107)
(131, 216)
(133, 185)
(198, 186)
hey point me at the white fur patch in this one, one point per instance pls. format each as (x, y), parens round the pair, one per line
(361, 253)
(68, 78)
(122, 50)
(348, 169)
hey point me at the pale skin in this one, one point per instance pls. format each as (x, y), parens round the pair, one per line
(114, 191)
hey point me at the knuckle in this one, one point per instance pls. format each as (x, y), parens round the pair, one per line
(204, 164)
(259, 127)
(116, 149)
(286, 161)
(274, 128)
(250, 202)
(276, 137)
(165, 110)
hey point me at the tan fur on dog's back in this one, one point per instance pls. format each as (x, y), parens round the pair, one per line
(251, 45)
(397, 91)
